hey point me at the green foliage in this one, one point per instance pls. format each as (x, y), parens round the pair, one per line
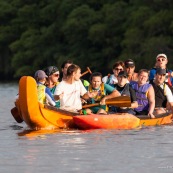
(35, 34)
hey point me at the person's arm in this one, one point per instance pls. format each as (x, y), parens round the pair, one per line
(49, 97)
(171, 106)
(49, 93)
(151, 100)
(134, 103)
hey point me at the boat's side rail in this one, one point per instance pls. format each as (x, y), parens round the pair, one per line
(143, 117)
(68, 113)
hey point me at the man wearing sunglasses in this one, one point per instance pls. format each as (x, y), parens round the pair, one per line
(161, 62)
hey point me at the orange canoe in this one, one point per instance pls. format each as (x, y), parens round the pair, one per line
(39, 116)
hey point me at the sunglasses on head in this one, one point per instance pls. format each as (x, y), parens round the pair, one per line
(119, 69)
(161, 59)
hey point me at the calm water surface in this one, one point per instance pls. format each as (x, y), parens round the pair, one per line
(105, 151)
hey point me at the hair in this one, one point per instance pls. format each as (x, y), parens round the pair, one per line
(143, 70)
(72, 68)
(66, 62)
(118, 63)
(95, 74)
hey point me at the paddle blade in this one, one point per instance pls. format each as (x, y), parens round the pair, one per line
(16, 116)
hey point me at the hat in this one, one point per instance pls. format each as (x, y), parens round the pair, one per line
(160, 71)
(40, 74)
(123, 73)
(161, 55)
(129, 63)
(50, 70)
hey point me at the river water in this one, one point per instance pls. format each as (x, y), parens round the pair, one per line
(145, 150)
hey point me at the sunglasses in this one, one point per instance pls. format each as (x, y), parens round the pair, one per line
(119, 69)
(56, 75)
(161, 59)
(51, 69)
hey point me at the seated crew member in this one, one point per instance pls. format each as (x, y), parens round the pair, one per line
(52, 80)
(104, 91)
(125, 89)
(163, 94)
(161, 62)
(130, 69)
(112, 79)
(71, 90)
(144, 93)
(44, 94)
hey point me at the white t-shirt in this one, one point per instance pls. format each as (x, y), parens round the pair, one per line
(72, 92)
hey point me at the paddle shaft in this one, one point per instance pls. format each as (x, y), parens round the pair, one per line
(122, 101)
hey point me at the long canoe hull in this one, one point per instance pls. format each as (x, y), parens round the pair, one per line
(35, 114)
(39, 116)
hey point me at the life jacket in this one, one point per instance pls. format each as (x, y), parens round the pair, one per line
(41, 93)
(160, 96)
(125, 91)
(100, 95)
(141, 96)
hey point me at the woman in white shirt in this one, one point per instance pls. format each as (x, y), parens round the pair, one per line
(71, 90)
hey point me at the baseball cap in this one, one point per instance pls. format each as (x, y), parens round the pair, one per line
(40, 74)
(129, 63)
(161, 55)
(160, 71)
(123, 73)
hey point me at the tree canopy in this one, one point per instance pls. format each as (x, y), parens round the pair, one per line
(96, 33)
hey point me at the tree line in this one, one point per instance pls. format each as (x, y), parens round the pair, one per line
(35, 34)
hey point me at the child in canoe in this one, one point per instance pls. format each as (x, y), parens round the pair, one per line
(44, 94)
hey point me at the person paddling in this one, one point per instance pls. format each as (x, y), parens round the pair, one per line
(71, 90)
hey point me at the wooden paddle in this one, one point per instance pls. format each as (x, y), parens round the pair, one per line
(121, 101)
(87, 71)
(15, 113)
